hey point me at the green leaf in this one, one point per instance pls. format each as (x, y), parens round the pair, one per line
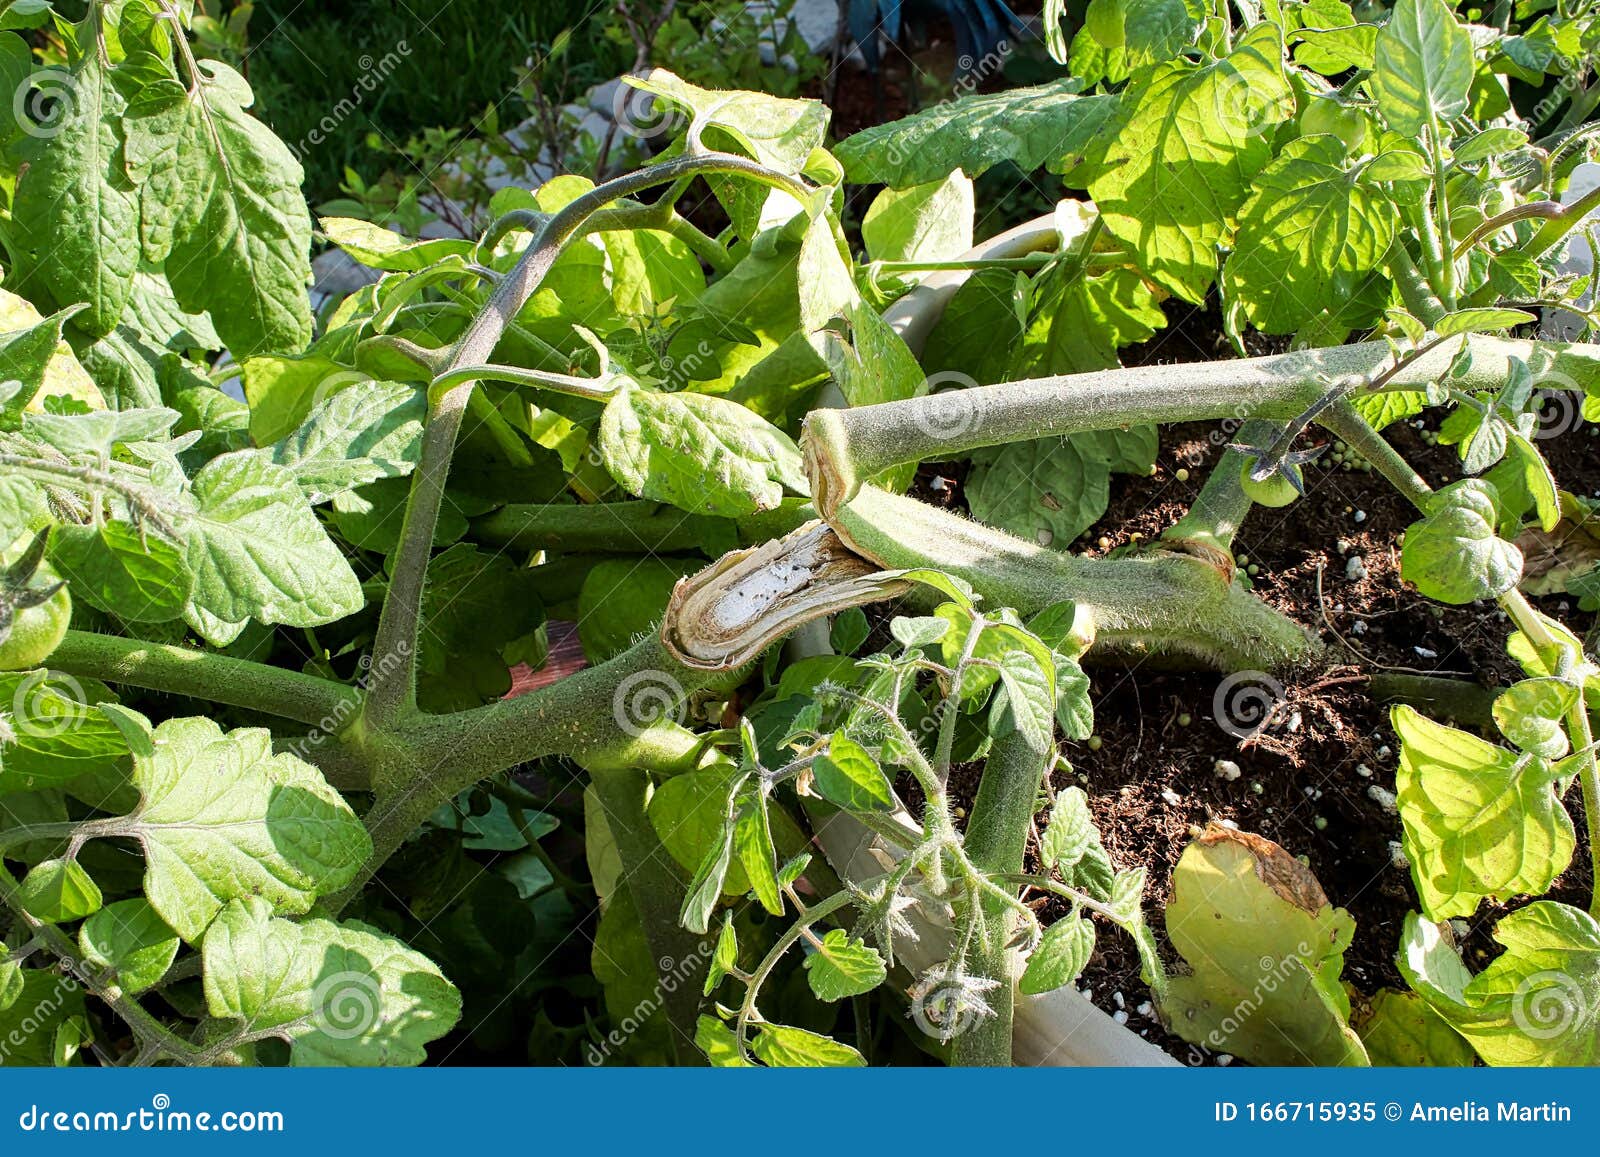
(1190, 140)
(1454, 554)
(1080, 325)
(258, 551)
(1029, 127)
(1530, 714)
(724, 958)
(1071, 845)
(706, 889)
(58, 892)
(1486, 320)
(1309, 236)
(1523, 482)
(1074, 707)
(51, 733)
(979, 330)
(369, 431)
(781, 1046)
(777, 132)
(717, 1041)
(931, 222)
(1030, 699)
(1047, 491)
(75, 205)
(34, 356)
(690, 815)
(1120, 36)
(1480, 821)
(380, 248)
(920, 631)
(221, 207)
(12, 979)
(650, 270)
(460, 665)
(221, 817)
(1265, 949)
(1060, 956)
(138, 578)
(622, 599)
(341, 994)
(282, 392)
(1423, 66)
(1401, 1029)
(841, 966)
(752, 839)
(703, 454)
(847, 775)
(47, 1000)
(1534, 1005)
(130, 937)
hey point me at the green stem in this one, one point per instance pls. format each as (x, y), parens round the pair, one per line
(657, 885)
(791, 936)
(1162, 602)
(1555, 230)
(995, 841)
(1026, 261)
(1344, 421)
(1222, 505)
(394, 696)
(613, 714)
(1443, 245)
(275, 691)
(844, 448)
(635, 527)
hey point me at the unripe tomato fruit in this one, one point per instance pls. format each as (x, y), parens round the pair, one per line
(36, 631)
(1275, 491)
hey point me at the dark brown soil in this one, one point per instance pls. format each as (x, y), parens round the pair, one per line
(1309, 778)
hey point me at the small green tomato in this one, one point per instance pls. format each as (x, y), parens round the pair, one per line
(36, 631)
(1275, 491)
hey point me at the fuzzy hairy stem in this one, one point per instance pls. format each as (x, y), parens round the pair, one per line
(604, 715)
(1162, 602)
(845, 448)
(395, 695)
(1222, 504)
(275, 691)
(995, 840)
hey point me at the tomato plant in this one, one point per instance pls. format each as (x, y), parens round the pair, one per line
(295, 618)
